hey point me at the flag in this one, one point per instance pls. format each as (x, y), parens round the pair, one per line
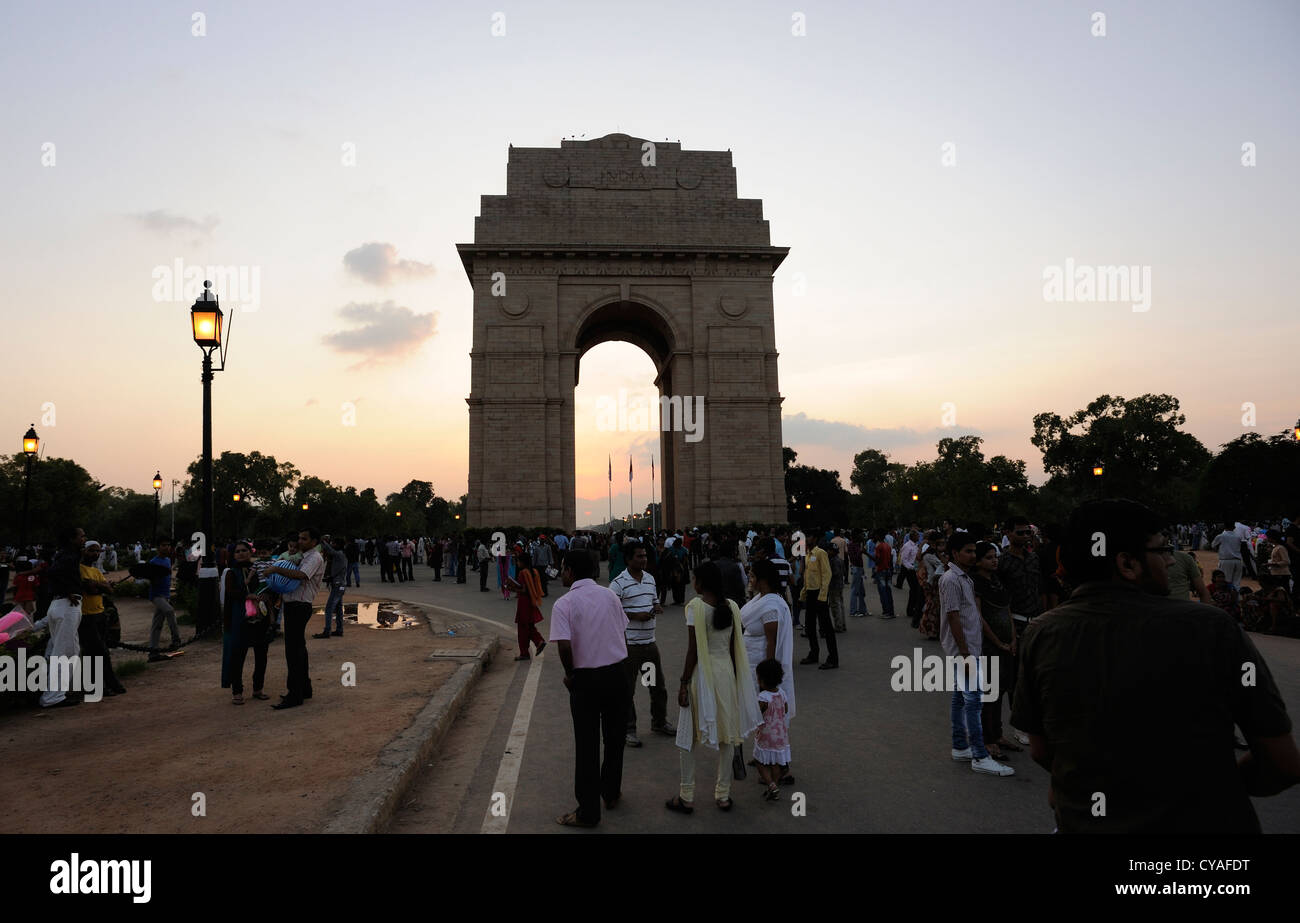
(629, 469)
(611, 469)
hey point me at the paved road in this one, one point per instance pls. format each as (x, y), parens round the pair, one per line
(866, 758)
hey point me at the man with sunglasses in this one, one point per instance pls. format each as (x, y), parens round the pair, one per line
(1120, 655)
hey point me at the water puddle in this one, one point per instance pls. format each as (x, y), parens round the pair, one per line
(384, 616)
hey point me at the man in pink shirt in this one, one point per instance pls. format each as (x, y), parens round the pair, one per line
(588, 628)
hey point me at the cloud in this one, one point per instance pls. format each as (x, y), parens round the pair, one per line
(312, 402)
(801, 429)
(382, 331)
(377, 263)
(161, 221)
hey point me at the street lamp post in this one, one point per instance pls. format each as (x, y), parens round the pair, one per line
(206, 321)
(157, 504)
(31, 444)
(175, 481)
(236, 498)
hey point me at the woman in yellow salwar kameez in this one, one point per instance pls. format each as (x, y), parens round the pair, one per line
(717, 710)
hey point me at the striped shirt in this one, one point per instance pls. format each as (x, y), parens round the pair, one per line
(637, 596)
(783, 568)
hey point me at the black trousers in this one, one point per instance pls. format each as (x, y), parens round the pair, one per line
(915, 596)
(598, 701)
(255, 639)
(638, 654)
(462, 566)
(482, 575)
(296, 617)
(437, 569)
(819, 616)
(92, 635)
(385, 575)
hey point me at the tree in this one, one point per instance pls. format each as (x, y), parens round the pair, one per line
(1138, 444)
(1253, 478)
(62, 494)
(815, 497)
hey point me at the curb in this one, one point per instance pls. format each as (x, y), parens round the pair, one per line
(374, 795)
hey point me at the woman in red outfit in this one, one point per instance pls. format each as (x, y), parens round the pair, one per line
(528, 612)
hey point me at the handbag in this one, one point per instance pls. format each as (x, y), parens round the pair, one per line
(738, 762)
(551, 573)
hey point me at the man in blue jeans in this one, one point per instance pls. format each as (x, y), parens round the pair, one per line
(961, 635)
(336, 569)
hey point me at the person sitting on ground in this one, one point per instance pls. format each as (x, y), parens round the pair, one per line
(1224, 595)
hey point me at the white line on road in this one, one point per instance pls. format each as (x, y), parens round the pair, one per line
(508, 773)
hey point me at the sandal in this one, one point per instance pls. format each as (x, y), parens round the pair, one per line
(724, 805)
(1009, 745)
(773, 793)
(676, 804)
(995, 752)
(571, 820)
(237, 700)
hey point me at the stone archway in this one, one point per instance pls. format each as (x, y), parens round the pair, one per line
(621, 239)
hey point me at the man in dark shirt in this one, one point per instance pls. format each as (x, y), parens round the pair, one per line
(1121, 654)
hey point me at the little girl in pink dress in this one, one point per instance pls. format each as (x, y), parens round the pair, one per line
(772, 742)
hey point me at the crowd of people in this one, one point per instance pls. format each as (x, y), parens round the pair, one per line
(1020, 601)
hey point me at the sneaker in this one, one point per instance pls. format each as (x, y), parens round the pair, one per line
(1022, 738)
(888, 616)
(992, 767)
(667, 728)
(963, 756)
(631, 740)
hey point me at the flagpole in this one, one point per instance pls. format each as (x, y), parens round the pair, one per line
(652, 493)
(611, 497)
(631, 507)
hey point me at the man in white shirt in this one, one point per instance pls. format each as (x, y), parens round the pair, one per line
(637, 592)
(1228, 544)
(297, 613)
(907, 558)
(961, 634)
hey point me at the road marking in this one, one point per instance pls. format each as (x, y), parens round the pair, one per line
(510, 630)
(508, 773)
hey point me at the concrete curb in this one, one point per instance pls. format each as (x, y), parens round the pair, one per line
(375, 794)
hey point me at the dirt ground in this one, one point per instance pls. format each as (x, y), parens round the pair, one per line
(133, 763)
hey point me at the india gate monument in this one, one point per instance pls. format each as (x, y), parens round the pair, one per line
(619, 238)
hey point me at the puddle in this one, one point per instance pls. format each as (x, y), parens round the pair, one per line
(385, 616)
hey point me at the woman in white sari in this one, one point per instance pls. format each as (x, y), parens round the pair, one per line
(718, 699)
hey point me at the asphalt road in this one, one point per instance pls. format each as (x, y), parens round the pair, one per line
(867, 759)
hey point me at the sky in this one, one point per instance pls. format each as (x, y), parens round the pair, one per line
(928, 164)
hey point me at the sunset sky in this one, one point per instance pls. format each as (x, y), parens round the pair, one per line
(924, 281)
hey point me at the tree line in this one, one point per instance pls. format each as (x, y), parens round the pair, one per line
(1114, 447)
(271, 497)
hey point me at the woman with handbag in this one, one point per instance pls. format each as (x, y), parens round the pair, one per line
(719, 704)
(245, 623)
(528, 608)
